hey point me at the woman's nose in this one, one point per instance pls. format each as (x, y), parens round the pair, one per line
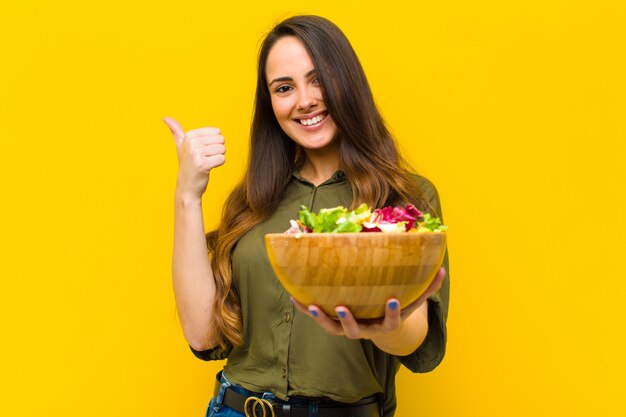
(307, 98)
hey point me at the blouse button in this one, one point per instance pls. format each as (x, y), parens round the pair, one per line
(287, 317)
(283, 373)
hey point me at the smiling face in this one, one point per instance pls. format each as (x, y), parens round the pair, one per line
(296, 96)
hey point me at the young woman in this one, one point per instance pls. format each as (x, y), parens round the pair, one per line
(317, 139)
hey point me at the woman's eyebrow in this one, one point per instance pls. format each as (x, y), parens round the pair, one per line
(279, 79)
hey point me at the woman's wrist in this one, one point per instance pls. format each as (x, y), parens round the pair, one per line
(396, 342)
(406, 338)
(186, 199)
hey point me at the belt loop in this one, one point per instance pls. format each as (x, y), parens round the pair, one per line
(313, 407)
(224, 384)
(286, 410)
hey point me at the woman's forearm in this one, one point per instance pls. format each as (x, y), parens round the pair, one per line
(194, 285)
(409, 335)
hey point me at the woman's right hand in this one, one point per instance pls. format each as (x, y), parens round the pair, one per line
(199, 151)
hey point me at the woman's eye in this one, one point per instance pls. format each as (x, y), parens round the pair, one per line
(283, 89)
(315, 80)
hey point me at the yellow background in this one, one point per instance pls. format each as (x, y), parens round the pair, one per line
(514, 109)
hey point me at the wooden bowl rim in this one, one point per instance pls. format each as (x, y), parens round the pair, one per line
(326, 234)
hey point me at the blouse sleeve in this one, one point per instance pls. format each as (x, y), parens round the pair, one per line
(431, 352)
(215, 354)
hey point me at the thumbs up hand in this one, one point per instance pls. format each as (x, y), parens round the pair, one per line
(199, 151)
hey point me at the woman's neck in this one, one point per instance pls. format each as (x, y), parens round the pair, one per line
(320, 165)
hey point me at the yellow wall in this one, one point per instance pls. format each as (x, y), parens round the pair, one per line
(514, 109)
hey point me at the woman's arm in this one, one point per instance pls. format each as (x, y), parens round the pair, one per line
(194, 286)
(199, 151)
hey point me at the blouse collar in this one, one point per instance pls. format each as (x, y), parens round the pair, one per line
(338, 176)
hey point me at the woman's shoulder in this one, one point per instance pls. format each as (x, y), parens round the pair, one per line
(428, 192)
(424, 183)
(426, 186)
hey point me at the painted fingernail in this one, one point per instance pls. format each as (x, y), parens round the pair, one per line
(342, 314)
(291, 300)
(393, 305)
(313, 312)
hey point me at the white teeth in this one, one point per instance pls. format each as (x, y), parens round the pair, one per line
(312, 121)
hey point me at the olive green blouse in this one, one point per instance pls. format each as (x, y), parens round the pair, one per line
(285, 351)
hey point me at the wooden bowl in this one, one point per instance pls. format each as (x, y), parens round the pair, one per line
(358, 270)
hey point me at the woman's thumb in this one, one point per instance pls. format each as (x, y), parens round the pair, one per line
(176, 128)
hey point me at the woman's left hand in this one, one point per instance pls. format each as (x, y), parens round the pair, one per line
(348, 326)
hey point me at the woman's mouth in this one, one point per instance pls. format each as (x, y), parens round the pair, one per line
(313, 120)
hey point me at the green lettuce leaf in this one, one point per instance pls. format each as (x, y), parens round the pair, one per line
(328, 219)
(431, 224)
(307, 218)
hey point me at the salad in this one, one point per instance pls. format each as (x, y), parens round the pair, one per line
(362, 219)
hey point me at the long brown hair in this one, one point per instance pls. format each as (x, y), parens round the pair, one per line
(368, 154)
